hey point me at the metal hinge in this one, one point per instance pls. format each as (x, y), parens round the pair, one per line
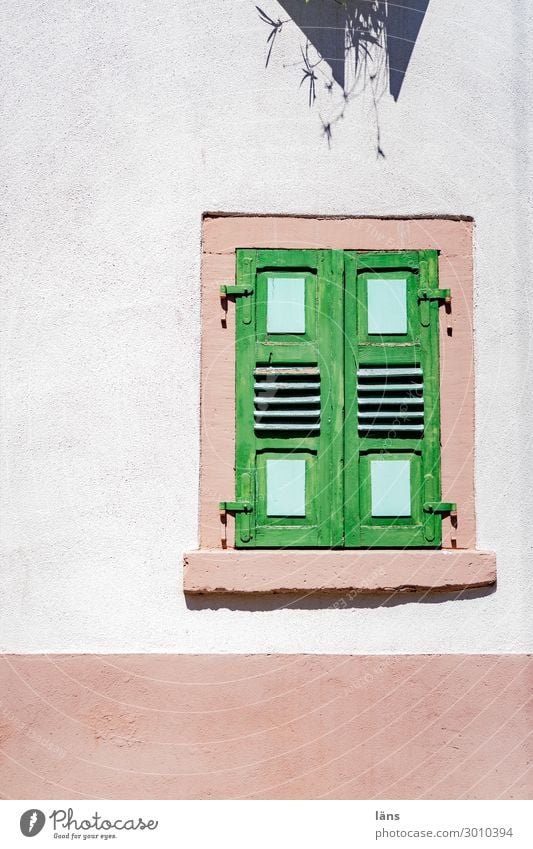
(235, 290)
(240, 291)
(435, 295)
(440, 507)
(425, 296)
(235, 507)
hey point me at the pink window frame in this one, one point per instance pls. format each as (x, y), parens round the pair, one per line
(217, 566)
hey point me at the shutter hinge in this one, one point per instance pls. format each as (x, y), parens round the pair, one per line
(230, 291)
(435, 295)
(235, 507)
(440, 507)
(235, 290)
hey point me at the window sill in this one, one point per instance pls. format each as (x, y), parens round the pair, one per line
(316, 570)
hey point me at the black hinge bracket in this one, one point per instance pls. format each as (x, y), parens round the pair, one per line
(235, 507)
(235, 290)
(444, 295)
(442, 507)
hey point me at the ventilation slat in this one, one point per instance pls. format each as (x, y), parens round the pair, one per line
(291, 371)
(398, 371)
(275, 385)
(306, 427)
(389, 387)
(395, 414)
(305, 399)
(399, 402)
(287, 399)
(381, 409)
(388, 428)
(273, 414)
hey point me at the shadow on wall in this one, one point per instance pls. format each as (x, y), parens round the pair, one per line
(349, 48)
(320, 601)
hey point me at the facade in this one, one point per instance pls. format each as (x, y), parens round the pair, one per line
(148, 649)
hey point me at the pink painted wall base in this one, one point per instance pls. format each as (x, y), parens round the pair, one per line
(265, 726)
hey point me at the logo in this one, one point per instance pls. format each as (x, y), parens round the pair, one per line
(32, 822)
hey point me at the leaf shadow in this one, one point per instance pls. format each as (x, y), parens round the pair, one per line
(358, 45)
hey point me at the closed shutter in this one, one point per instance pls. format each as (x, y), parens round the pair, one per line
(392, 418)
(289, 398)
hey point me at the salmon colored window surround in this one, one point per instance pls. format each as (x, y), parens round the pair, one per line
(217, 566)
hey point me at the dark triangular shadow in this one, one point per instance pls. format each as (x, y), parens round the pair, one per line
(404, 20)
(324, 24)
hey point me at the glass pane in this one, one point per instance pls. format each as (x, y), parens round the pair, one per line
(391, 487)
(285, 487)
(286, 305)
(387, 305)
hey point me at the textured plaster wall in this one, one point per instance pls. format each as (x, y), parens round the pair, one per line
(269, 727)
(123, 122)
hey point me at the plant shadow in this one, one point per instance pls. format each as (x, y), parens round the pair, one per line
(357, 44)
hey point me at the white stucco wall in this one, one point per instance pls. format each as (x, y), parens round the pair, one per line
(123, 122)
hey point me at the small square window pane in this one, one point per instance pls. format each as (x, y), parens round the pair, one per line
(387, 305)
(285, 487)
(286, 305)
(391, 487)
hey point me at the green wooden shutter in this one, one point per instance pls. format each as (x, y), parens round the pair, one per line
(392, 420)
(289, 398)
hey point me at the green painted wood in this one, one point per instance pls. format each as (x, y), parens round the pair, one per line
(440, 507)
(244, 408)
(259, 351)
(431, 364)
(336, 342)
(352, 468)
(418, 347)
(235, 506)
(234, 290)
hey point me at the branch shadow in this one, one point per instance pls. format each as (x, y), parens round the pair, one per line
(333, 29)
(324, 25)
(363, 43)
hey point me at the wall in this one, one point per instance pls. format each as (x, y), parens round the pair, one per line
(124, 122)
(235, 726)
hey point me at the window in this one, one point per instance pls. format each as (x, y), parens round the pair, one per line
(337, 399)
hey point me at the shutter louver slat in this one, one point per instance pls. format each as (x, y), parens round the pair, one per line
(383, 409)
(282, 401)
